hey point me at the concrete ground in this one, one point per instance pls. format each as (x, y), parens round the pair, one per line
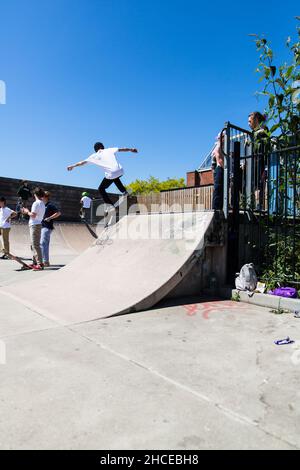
(196, 374)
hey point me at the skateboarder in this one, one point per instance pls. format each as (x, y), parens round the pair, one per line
(106, 159)
(85, 202)
(36, 216)
(5, 215)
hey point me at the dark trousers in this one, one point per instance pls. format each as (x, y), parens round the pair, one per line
(106, 184)
(218, 188)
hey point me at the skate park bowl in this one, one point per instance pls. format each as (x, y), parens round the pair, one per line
(67, 239)
(133, 265)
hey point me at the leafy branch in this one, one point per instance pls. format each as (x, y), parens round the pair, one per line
(281, 86)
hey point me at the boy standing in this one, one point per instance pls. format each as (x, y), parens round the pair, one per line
(51, 213)
(107, 160)
(5, 215)
(85, 202)
(36, 216)
(24, 192)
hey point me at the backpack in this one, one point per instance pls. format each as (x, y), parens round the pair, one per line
(247, 279)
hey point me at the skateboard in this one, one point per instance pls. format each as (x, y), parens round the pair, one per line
(25, 266)
(89, 228)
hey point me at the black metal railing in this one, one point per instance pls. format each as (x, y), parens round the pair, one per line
(262, 205)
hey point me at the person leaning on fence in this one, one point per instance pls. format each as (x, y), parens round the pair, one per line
(36, 215)
(51, 213)
(5, 215)
(260, 139)
(218, 157)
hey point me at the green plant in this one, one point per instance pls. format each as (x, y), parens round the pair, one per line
(282, 87)
(236, 297)
(279, 311)
(154, 185)
(281, 264)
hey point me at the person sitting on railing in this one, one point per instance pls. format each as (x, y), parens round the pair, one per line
(260, 139)
(218, 157)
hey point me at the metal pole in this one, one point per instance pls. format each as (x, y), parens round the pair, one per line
(234, 222)
(226, 170)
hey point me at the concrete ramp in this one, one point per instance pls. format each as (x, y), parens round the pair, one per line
(134, 264)
(66, 239)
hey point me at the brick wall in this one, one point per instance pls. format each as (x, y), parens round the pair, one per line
(194, 179)
(65, 197)
(206, 177)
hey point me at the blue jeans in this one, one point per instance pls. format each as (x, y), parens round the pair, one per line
(45, 242)
(218, 188)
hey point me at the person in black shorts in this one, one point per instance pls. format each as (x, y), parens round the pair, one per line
(106, 159)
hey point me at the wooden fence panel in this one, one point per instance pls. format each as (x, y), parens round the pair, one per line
(177, 200)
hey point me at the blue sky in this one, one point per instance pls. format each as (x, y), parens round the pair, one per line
(159, 75)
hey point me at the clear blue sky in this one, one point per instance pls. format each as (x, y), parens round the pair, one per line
(161, 75)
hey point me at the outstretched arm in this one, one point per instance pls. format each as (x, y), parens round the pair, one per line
(54, 216)
(12, 215)
(128, 150)
(71, 167)
(26, 211)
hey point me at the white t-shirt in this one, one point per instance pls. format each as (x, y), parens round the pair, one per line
(107, 160)
(39, 208)
(86, 202)
(5, 212)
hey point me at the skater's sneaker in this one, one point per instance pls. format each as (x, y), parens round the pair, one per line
(32, 265)
(46, 264)
(37, 267)
(4, 257)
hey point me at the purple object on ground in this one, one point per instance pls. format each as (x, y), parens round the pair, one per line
(289, 292)
(281, 342)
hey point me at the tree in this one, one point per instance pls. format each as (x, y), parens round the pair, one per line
(282, 87)
(154, 185)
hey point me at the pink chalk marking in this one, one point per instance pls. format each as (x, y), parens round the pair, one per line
(212, 307)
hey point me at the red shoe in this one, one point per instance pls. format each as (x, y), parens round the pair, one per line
(37, 267)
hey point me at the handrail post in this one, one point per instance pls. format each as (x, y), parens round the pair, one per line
(233, 227)
(226, 169)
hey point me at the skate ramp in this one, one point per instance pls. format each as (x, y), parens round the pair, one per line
(133, 265)
(66, 239)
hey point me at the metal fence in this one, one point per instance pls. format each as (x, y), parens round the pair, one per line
(262, 205)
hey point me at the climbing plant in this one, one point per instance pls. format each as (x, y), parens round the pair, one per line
(281, 87)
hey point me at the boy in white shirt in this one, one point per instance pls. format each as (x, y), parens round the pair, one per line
(5, 215)
(107, 160)
(85, 202)
(36, 216)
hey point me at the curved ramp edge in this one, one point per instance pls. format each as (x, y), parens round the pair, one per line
(133, 265)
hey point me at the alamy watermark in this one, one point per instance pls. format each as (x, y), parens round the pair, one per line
(2, 92)
(2, 353)
(175, 222)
